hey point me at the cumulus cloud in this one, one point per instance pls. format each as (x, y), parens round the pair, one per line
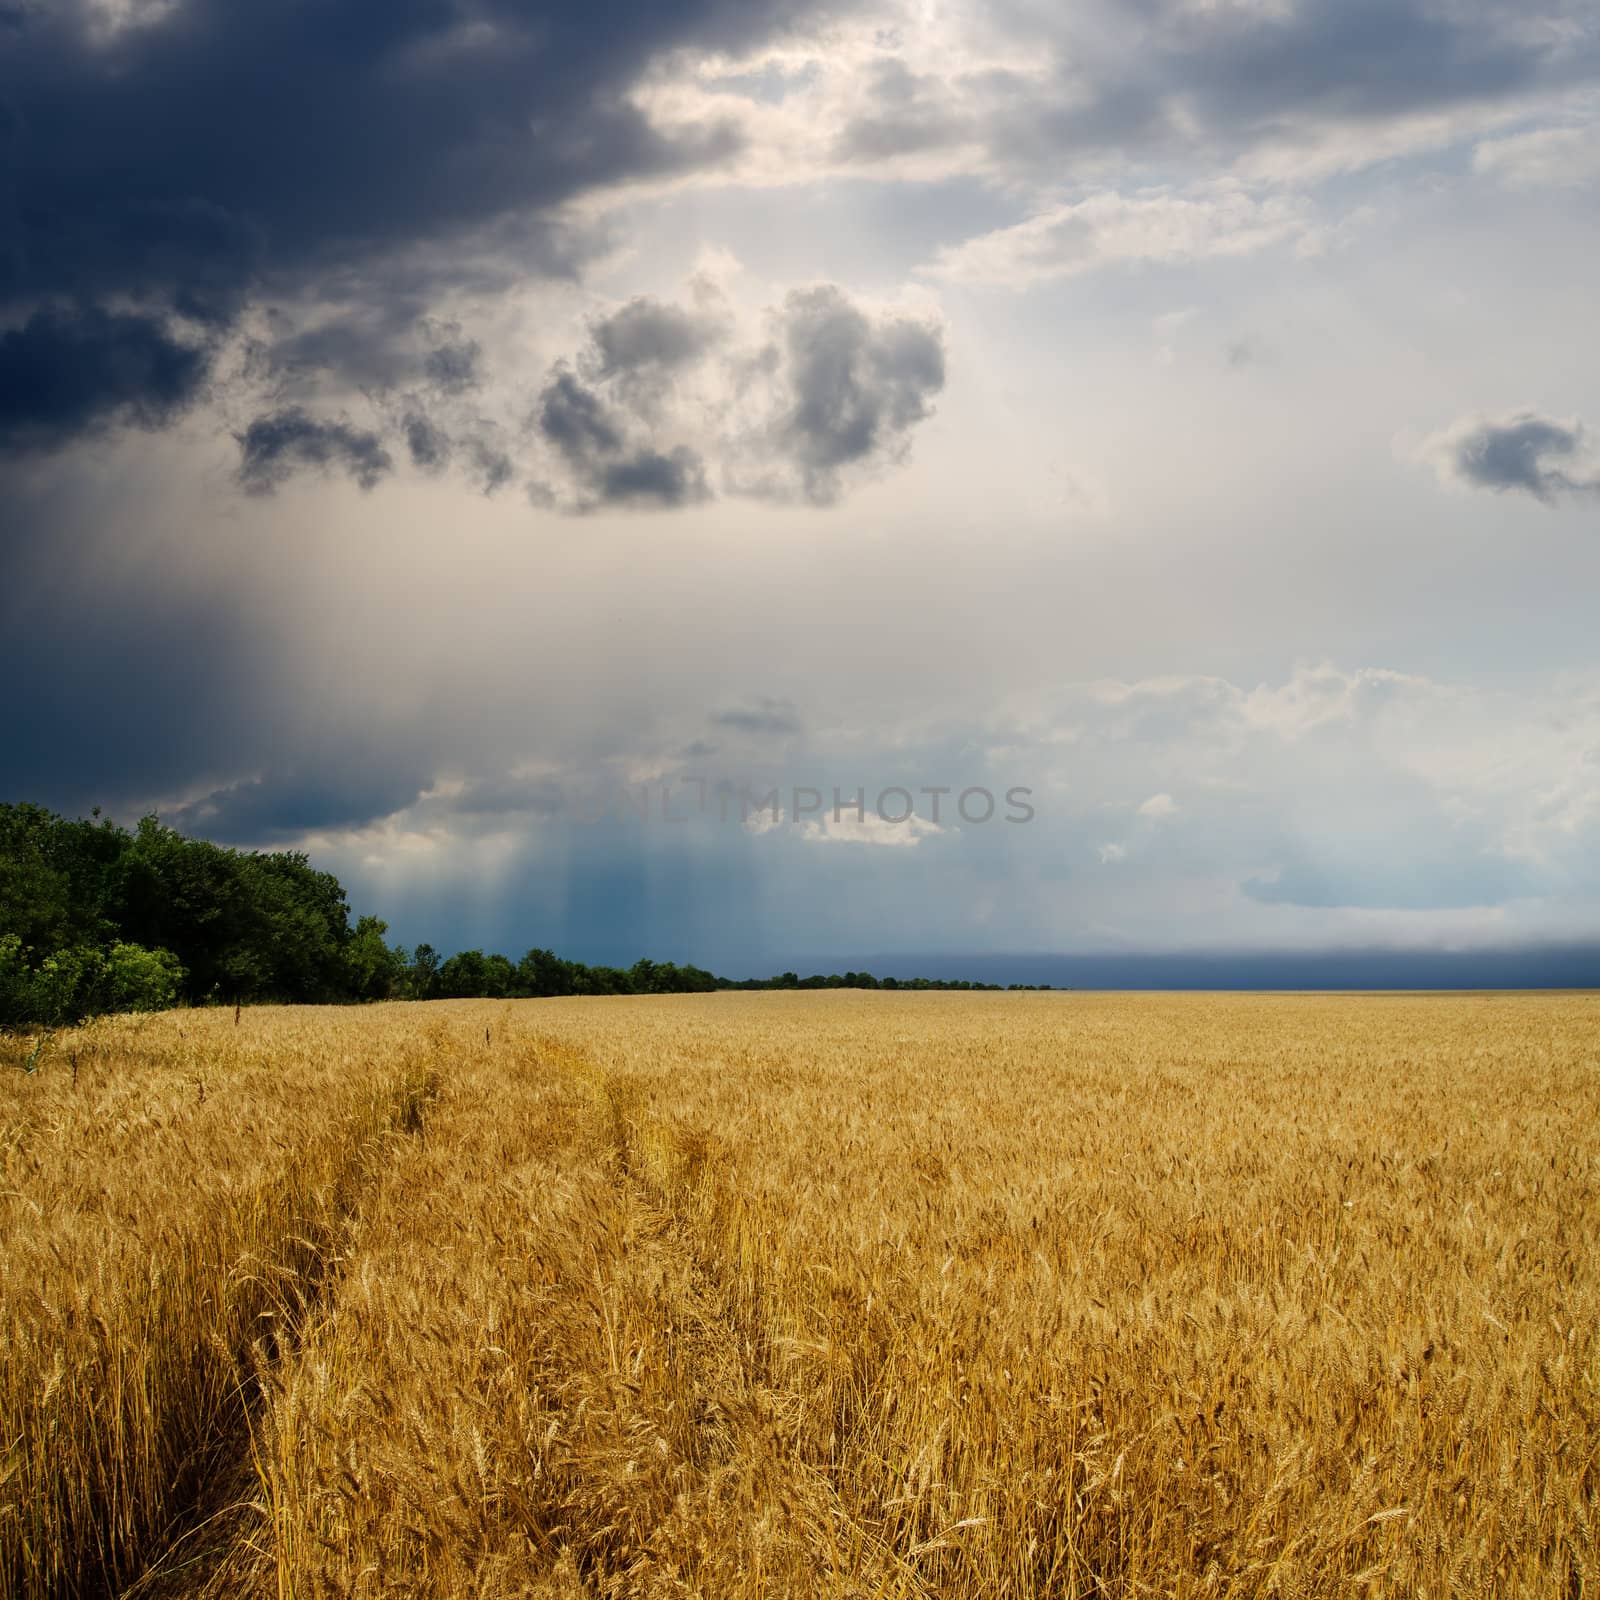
(435, 440)
(1524, 451)
(576, 420)
(664, 400)
(614, 415)
(275, 445)
(858, 385)
(609, 466)
(662, 404)
(647, 335)
(441, 421)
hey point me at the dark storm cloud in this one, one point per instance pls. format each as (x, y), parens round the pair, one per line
(1442, 879)
(1523, 450)
(273, 447)
(124, 684)
(179, 687)
(223, 148)
(368, 350)
(859, 385)
(289, 804)
(374, 347)
(66, 370)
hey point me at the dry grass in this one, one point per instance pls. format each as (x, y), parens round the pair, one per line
(854, 1295)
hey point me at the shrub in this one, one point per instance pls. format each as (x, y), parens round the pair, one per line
(140, 979)
(78, 980)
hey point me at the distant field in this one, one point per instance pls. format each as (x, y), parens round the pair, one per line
(828, 1294)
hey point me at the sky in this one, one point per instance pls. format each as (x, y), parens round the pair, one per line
(492, 447)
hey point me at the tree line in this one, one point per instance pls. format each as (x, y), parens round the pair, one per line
(96, 918)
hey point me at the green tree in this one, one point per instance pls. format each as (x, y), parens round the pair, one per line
(463, 976)
(424, 973)
(541, 974)
(374, 969)
(57, 878)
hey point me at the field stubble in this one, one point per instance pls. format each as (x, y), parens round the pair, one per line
(854, 1295)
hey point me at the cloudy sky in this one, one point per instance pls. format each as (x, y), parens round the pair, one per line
(426, 424)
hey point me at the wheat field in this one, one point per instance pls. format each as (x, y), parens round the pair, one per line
(834, 1294)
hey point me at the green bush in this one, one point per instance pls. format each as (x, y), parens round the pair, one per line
(61, 988)
(79, 980)
(138, 979)
(67, 983)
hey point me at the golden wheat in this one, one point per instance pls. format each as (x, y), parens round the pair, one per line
(836, 1294)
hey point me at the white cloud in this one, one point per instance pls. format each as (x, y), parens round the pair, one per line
(1544, 158)
(869, 829)
(846, 828)
(923, 91)
(1314, 696)
(1108, 228)
(1348, 785)
(905, 92)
